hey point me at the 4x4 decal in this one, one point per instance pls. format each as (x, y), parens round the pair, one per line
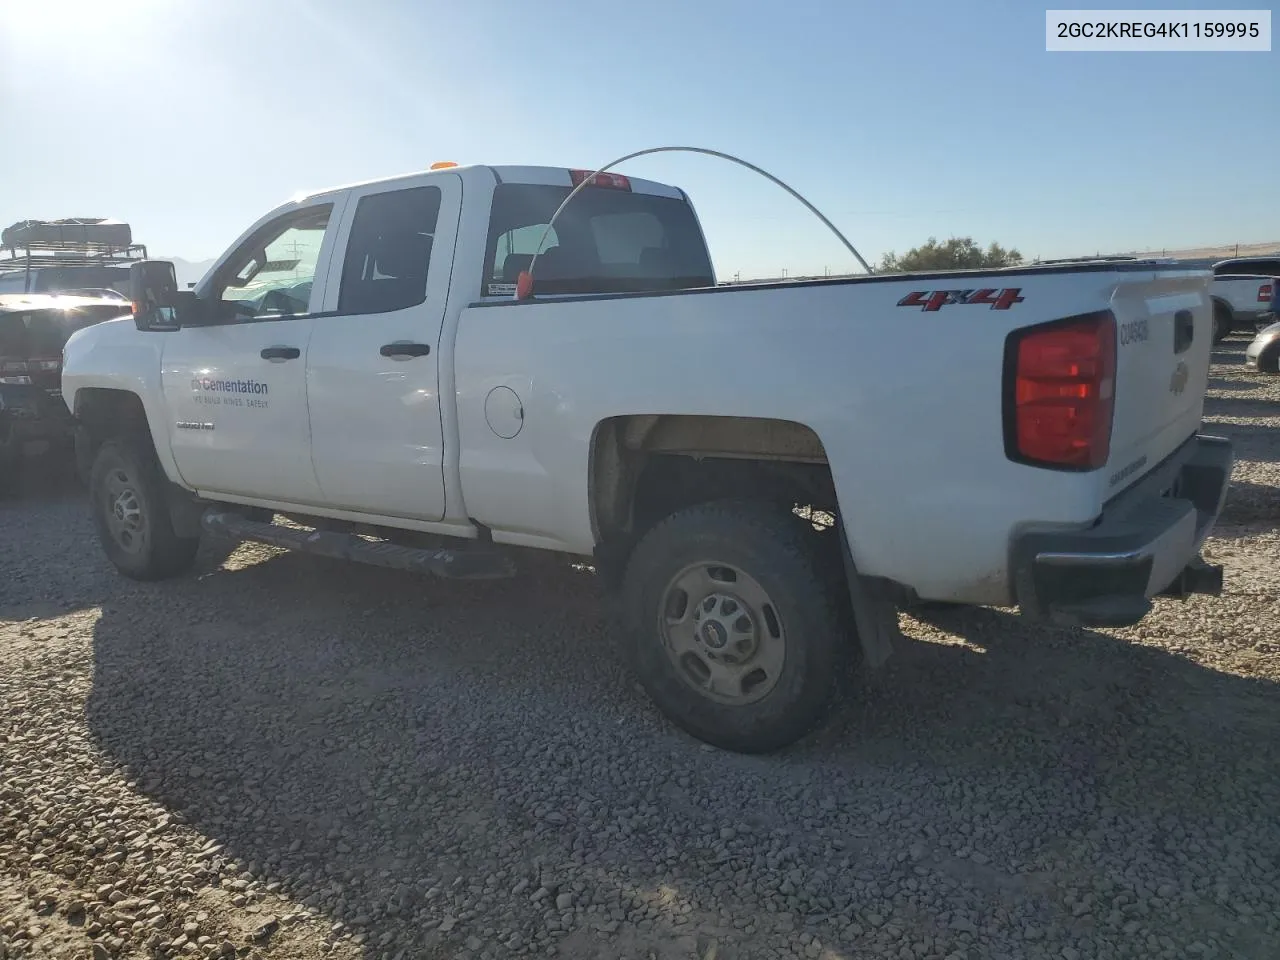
(931, 301)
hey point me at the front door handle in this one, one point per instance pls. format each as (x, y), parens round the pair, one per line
(404, 350)
(280, 354)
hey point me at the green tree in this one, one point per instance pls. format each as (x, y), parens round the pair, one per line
(957, 253)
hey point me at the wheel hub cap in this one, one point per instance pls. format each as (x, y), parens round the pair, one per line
(124, 514)
(723, 633)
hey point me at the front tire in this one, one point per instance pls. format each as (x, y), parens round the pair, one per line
(735, 627)
(131, 513)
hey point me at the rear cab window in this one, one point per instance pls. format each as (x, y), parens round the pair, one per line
(605, 241)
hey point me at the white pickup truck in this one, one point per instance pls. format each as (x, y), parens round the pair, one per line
(1242, 292)
(765, 473)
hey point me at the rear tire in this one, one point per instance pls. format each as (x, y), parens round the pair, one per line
(1222, 321)
(131, 513)
(734, 626)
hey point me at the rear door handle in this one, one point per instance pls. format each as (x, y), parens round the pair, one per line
(404, 350)
(280, 354)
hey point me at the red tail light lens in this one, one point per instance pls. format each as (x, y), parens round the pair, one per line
(1264, 292)
(1060, 382)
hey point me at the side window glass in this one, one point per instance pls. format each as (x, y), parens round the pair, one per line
(389, 251)
(272, 276)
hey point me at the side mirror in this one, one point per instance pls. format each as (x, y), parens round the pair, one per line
(153, 288)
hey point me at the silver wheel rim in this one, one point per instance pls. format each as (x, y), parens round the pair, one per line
(722, 633)
(126, 520)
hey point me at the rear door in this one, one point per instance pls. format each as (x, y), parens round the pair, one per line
(1164, 337)
(377, 440)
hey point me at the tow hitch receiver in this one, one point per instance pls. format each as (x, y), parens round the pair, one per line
(1196, 577)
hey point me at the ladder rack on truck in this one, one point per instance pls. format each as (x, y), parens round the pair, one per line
(46, 256)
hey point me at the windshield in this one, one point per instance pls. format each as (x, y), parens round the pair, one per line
(604, 241)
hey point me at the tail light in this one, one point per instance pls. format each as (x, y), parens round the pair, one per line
(14, 372)
(1264, 292)
(1060, 384)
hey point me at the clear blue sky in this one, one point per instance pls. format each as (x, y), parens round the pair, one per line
(900, 120)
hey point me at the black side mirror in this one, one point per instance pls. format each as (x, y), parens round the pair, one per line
(153, 288)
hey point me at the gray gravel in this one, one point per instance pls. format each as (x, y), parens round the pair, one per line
(284, 757)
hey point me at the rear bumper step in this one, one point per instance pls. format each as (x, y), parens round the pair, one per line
(460, 564)
(1146, 544)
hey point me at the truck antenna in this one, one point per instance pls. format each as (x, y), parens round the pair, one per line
(524, 284)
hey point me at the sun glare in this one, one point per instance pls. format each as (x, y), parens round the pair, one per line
(45, 21)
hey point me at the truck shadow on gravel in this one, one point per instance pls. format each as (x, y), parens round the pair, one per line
(1249, 503)
(398, 751)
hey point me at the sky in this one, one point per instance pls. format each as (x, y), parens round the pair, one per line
(900, 121)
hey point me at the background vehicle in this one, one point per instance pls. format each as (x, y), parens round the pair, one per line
(33, 331)
(1242, 291)
(1263, 354)
(58, 256)
(356, 361)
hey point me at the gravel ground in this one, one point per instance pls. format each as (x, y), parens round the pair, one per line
(286, 757)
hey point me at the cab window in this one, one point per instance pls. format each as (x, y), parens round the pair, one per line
(389, 251)
(271, 276)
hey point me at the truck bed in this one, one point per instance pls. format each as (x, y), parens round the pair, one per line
(903, 384)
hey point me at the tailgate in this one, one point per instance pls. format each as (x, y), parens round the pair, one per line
(1164, 333)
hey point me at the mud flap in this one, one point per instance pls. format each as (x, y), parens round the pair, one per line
(874, 612)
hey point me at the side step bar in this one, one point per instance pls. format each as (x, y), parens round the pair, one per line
(462, 564)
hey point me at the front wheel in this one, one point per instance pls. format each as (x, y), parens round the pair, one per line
(131, 514)
(735, 627)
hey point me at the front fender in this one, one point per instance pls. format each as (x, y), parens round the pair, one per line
(117, 356)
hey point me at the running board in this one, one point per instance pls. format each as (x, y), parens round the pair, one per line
(464, 564)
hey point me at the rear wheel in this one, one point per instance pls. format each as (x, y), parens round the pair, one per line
(131, 513)
(1222, 321)
(735, 627)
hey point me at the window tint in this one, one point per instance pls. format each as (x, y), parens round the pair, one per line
(389, 251)
(271, 275)
(604, 241)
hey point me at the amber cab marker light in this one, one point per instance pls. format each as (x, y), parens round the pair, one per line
(443, 165)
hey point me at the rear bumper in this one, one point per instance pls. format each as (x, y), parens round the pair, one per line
(1146, 543)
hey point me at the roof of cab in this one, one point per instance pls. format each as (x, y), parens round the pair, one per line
(501, 173)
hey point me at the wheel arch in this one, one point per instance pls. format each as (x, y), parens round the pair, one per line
(644, 467)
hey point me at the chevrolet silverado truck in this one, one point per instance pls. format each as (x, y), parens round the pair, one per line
(756, 481)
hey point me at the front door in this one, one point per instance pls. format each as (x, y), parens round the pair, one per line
(237, 391)
(372, 367)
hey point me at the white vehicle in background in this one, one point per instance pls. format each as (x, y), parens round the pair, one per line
(386, 365)
(1242, 293)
